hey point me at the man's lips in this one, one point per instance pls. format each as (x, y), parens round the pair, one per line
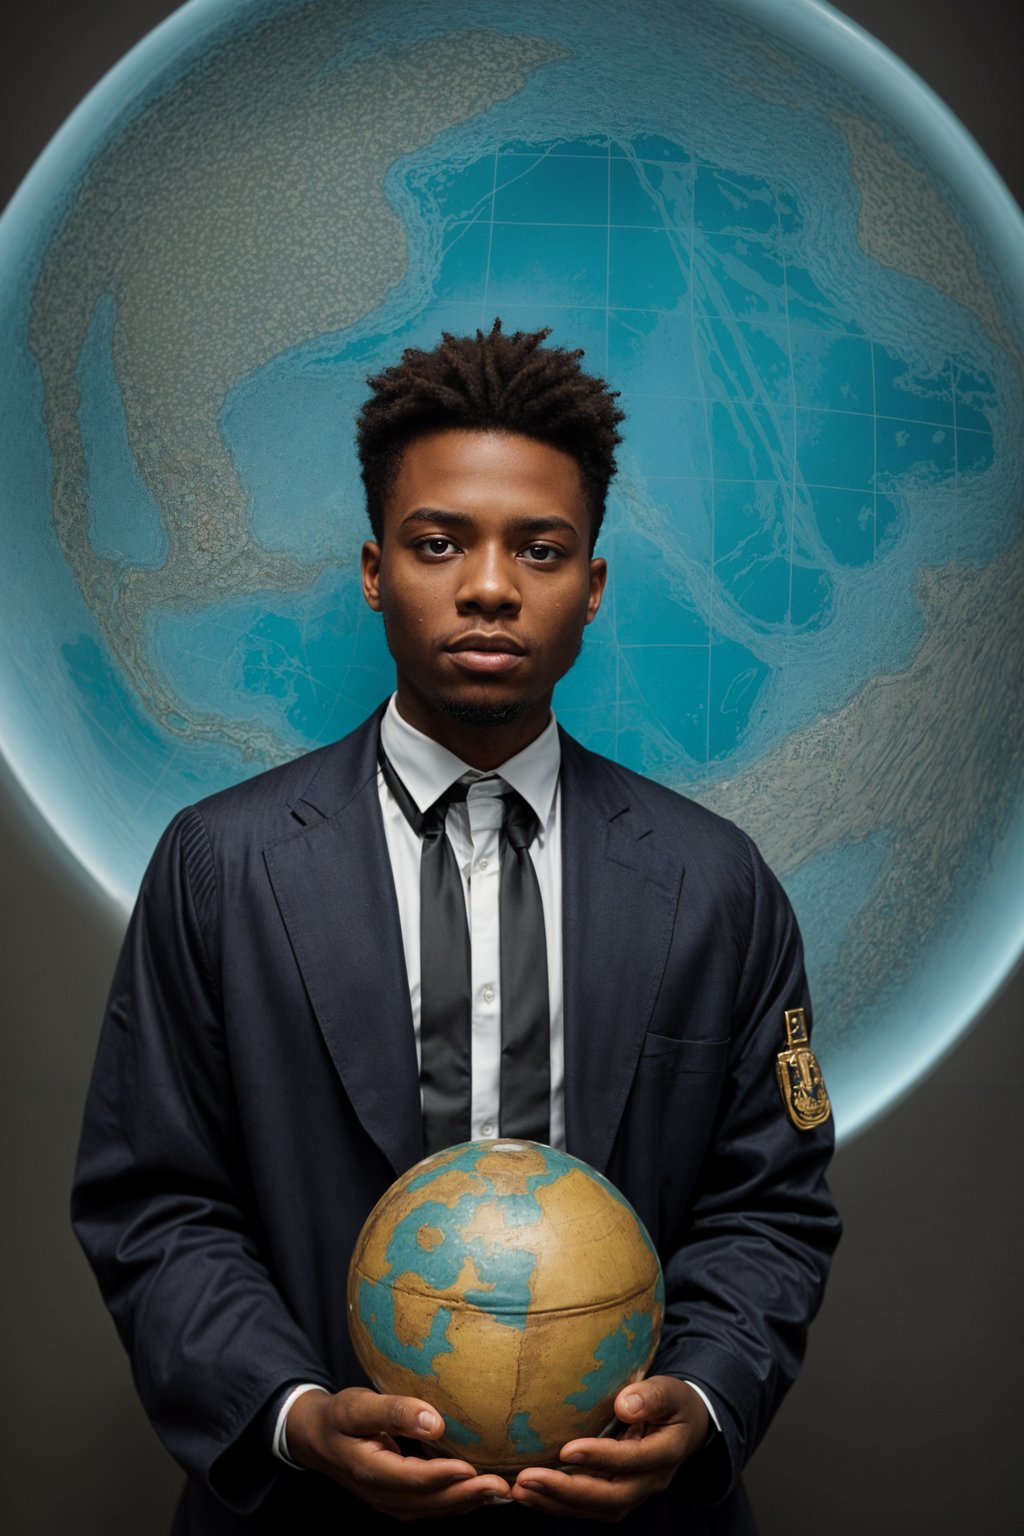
(486, 640)
(480, 651)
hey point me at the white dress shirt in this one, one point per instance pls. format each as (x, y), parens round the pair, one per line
(472, 826)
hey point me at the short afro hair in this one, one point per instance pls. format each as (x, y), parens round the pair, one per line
(490, 382)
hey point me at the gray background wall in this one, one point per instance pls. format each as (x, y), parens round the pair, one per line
(906, 1417)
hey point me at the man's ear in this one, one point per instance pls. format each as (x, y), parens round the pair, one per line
(598, 577)
(370, 560)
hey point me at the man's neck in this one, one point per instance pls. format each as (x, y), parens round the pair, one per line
(483, 746)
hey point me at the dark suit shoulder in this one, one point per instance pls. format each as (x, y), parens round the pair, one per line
(282, 800)
(667, 812)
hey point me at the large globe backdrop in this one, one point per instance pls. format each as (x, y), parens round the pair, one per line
(795, 266)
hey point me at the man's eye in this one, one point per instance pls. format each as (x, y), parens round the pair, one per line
(543, 554)
(437, 544)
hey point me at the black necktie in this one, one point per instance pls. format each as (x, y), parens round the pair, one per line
(525, 1022)
(446, 975)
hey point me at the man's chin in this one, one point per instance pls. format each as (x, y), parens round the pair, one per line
(465, 712)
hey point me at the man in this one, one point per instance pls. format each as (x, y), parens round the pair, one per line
(454, 921)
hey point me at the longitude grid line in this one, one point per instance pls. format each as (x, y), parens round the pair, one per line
(873, 589)
(707, 435)
(485, 301)
(792, 465)
(956, 464)
(874, 472)
(608, 257)
(607, 353)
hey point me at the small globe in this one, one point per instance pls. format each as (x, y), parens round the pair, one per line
(515, 1290)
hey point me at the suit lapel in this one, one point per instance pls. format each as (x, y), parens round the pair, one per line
(335, 892)
(619, 898)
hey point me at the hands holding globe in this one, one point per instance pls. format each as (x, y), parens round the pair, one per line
(351, 1437)
(506, 1301)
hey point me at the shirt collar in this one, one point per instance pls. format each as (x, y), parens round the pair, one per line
(427, 769)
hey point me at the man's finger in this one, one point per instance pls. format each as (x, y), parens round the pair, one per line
(455, 1499)
(476, 1494)
(629, 1456)
(577, 1494)
(375, 1466)
(654, 1400)
(362, 1412)
(663, 1400)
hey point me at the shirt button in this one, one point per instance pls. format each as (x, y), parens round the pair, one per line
(482, 863)
(487, 1129)
(488, 994)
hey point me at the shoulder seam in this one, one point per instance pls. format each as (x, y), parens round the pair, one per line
(747, 845)
(202, 880)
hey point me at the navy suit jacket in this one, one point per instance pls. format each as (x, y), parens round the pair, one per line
(256, 1091)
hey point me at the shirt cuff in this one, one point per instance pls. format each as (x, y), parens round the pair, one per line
(707, 1404)
(280, 1441)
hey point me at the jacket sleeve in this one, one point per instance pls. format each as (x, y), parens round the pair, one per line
(746, 1274)
(162, 1203)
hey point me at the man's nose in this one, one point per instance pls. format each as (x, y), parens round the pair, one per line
(490, 582)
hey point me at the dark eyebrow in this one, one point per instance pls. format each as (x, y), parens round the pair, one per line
(543, 525)
(435, 515)
(514, 525)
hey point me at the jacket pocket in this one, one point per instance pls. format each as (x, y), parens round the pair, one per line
(665, 1054)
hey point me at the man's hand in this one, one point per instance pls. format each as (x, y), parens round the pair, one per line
(607, 1478)
(350, 1437)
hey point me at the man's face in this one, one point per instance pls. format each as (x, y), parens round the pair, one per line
(485, 581)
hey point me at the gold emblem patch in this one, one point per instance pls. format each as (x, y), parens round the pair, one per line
(800, 1080)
